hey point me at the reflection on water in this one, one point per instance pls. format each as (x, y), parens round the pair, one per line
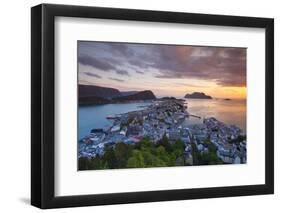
(229, 112)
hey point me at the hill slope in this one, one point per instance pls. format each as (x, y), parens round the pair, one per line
(143, 95)
(96, 91)
(90, 94)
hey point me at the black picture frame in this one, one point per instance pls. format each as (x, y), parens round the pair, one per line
(43, 105)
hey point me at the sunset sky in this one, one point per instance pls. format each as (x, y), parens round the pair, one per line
(167, 70)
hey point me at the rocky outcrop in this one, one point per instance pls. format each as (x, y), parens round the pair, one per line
(198, 95)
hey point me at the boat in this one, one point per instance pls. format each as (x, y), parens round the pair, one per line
(112, 116)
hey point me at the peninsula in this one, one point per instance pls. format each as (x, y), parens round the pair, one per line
(159, 132)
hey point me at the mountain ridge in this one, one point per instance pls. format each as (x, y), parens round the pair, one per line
(92, 90)
(142, 95)
(91, 94)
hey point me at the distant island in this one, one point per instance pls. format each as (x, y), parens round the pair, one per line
(91, 94)
(198, 95)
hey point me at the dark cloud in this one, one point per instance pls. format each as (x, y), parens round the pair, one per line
(140, 61)
(95, 62)
(122, 49)
(122, 72)
(225, 66)
(139, 72)
(104, 64)
(92, 74)
(116, 79)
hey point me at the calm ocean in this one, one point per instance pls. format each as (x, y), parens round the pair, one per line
(230, 112)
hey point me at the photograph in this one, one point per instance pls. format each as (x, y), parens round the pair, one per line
(160, 105)
(140, 105)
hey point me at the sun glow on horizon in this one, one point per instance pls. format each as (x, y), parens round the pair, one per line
(166, 70)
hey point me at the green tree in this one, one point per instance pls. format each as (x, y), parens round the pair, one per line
(122, 154)
(96, 163)
(210, 158)
(136, 161)
(178, 148)
(166, 144)
(162, 156)
(158, 162)
(110, 158)
(83, 163)
(148, 157)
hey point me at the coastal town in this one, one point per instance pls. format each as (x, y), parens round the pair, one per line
(168, 118)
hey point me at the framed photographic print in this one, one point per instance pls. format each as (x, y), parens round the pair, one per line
(139, 106)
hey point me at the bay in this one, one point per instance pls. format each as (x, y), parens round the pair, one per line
(227, 111)
(94, 116)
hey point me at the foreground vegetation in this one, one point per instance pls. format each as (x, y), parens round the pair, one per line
(146, 154)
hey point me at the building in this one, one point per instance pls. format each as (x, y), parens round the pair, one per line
(174, 135)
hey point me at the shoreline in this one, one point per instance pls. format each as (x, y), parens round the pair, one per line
(163, 118)
(193, 110)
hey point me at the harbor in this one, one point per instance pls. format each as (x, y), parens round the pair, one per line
(167, 118)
